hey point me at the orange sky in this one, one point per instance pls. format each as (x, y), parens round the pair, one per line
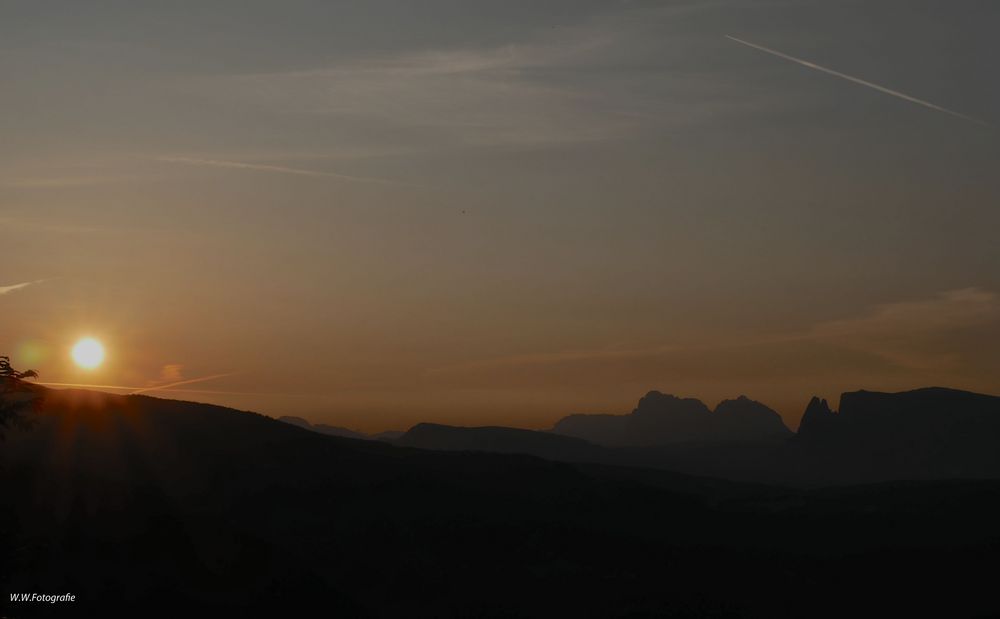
(378, 216)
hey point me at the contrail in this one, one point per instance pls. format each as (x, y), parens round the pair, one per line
(183, 382)
(167, 388)
(202, 391)
(856, 80)
(135, 390)
(13, 287)
(86, 385)
(242, 165)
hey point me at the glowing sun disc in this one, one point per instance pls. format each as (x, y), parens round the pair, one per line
(88, 353)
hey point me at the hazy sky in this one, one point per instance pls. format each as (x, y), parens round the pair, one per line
(379, 212)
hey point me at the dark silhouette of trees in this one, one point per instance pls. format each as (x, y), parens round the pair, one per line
(17, 397)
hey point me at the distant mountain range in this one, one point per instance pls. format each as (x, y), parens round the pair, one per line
(323, 428)
(932, 433)
(500, 440)
(148, 507)
(661, 419)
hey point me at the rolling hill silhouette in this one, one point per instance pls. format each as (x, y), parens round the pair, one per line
(153, 507)
(322, 428)
(500, 440)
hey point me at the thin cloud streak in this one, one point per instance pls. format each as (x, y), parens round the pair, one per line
(57, 182)
(204, 391)
(7, 289)
(240, 165)
(856, 80)
(895, 332)
(189, 381)
(464, 98)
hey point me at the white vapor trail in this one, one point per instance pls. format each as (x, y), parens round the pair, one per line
(5, 289)
(182, 382)
(168, 387)
(173, 390)
(856, 80)
(241, 165)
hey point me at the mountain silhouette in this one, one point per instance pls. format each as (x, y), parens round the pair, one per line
(323, 428)
(150, 507)
(500, 440)
(744, 419)
(923, 434)
(817, 418)
(931, 433)
(661, 419)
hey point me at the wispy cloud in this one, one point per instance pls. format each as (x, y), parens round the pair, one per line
(917, 334)
(13, 287)
(258, 167)
(947, 310)
(60, 182)
(857, 80)
(913, 335)
(522, 95)
(606, 76)
(558, 357)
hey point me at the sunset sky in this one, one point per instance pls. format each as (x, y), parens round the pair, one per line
(381, 212)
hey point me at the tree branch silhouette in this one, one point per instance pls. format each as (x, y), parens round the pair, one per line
(14, 408)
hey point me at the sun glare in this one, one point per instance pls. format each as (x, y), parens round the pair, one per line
(88, 353)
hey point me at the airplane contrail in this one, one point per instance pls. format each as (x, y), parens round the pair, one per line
(857, 80)
(87, 385)
(182, 382)
(241, 165)
(135, 390)
(202, 391)
(13, 287)
(171, 388)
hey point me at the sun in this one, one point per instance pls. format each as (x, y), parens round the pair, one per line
(88, 353)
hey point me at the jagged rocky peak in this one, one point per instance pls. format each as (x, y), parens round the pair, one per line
(816, 416)
(657, 403)
(818, 406)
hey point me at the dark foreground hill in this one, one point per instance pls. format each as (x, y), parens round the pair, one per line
(147, 507)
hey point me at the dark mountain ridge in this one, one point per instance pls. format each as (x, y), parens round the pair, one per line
(499, 440)
(151, 507)
(323, 428)
(662, 419)
(932, 433)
